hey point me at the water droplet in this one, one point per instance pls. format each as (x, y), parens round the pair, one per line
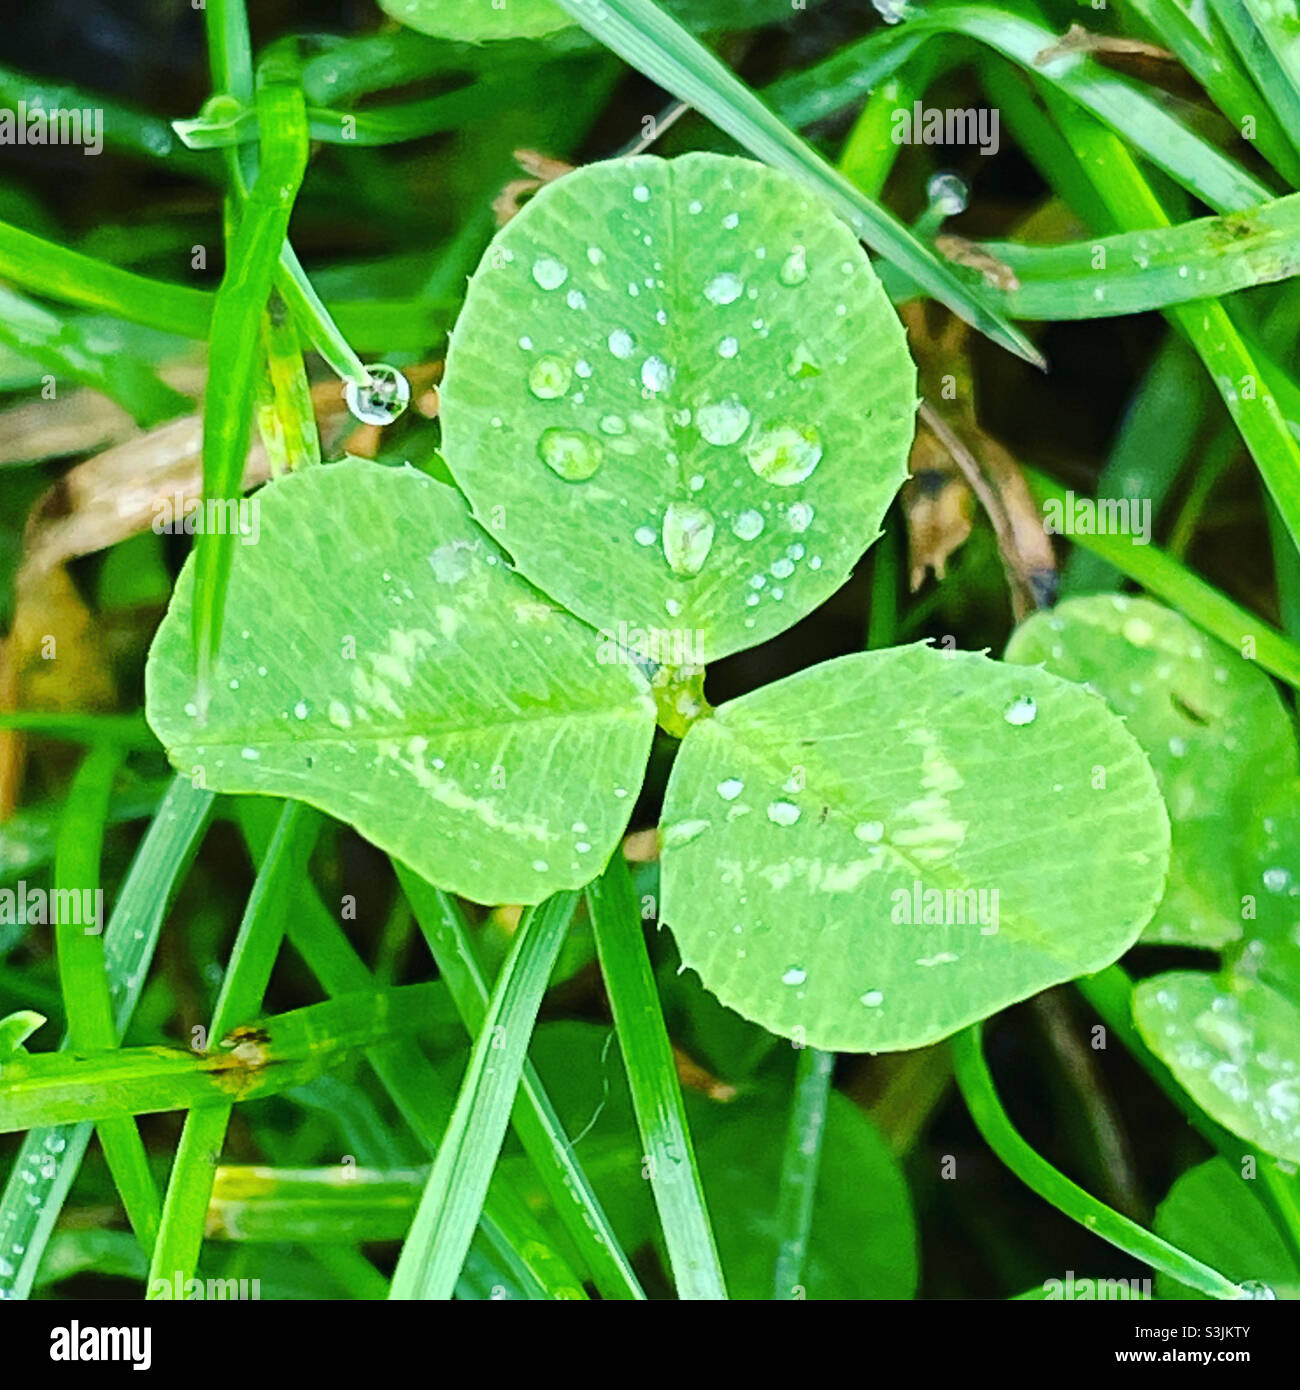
(1022, 710)
(724, 289)
(549, 378)
(621, 343)
(782, 569)
(572, 454)
(870, 832)
(947, 194)
(380, 400)
(641, 193)
(655, 374)
(785, 454)
(783, 812)
(1277, 880)
(540, 866)
(794, 269)
(748, 525)
(728, 347)
(549, 273)
(796, 975)
(873, 998)
(722, 422)
(688, 537)
(644, 535)
(1138, 631)
(300, 710)
(1256, 1289)
(613, 425)
(683, 832)
(575, 299)
(730, 788)
(799, 516)
(731, 221)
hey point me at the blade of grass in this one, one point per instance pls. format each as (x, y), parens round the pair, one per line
(234, 349)
(1212, 63)
(249, 969)
(981, 1097)
(1133, 272)
(48, 1160)
(534, 1118)
(652, 1078)
(83, 977)
(1240, 378)
(1266, 39)
(508, 1227)
(49, 1088)
(799, 1167)
(435, 1248)
(659, 47)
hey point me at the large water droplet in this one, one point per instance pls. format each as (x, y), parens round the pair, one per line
(722, 422)
(549, 273)
(549, 378)
(622, 343)
(380, 400)
(794, 269)
(724, 289)
(655, 374)
(573, 454)
(785, 454)
(688, 537)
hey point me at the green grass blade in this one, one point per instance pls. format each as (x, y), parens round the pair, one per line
(1267, 39)
(1244, 382)
(83, 977)
(252, 255)
(121, 730)
(56, 272)
(1133, 272)
(534, 1120)
(65, 350)
(1036, 1173)
(652, 1077)
(52, 1155)
(656, 45)
(49, 1088)
(417, 1090)
(435, 1248)
(803, 1151)
(1213, 65)
(249, 969)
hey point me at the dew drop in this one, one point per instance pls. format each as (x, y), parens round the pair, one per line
(644, 535)
(794, 269)
(730, 788)
(785, 454)
(641, 193)
(613, 425)
(724, 289)
(799, 516)
(621, 343)
(796, 975)
(782, 812)
(549, 378)
(655, 374)
(748, 525)
(1022, 710)
(549, 273)
(688, 537)
(722, 422)
(870, 832)
(571, 454)
(728, 347)
(802, 364)
(873, 998)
